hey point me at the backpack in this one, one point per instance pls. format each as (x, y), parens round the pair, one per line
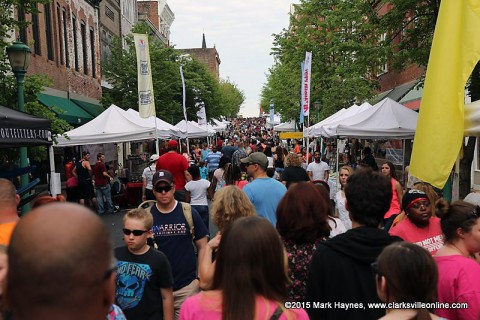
(187, 212)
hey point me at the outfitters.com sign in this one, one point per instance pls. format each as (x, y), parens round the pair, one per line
(7, 134)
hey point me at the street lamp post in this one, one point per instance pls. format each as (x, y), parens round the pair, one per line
(19, 57)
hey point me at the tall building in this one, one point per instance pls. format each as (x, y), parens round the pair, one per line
(64, 40)
(208, 56)
(158, 15)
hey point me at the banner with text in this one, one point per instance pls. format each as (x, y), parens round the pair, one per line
(307, 68)
(146, 102)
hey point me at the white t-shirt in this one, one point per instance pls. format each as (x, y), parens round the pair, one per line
(198, 192)
(148, 174)
(337, 227)
(318, 170)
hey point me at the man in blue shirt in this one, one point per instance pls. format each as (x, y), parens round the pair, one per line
(212, 160)
(265, 193)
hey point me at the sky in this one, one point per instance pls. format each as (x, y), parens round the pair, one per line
(241, 31)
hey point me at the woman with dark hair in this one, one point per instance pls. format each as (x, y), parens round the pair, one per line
(419, 227)
(406, 273)
(459, 273)
(279, 161)
(302, 222)
(388, 169)
(233, 176)
(218, 179)
(250, 279)
(294, 172)
(340, 198)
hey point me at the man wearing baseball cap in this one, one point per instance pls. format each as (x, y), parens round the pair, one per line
(264, 192)
(177, 165)
(172, 233)
(147, 175)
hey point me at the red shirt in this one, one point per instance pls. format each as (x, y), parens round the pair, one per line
(69, 170)
(177, 165)
(98, 170)
(430, 237)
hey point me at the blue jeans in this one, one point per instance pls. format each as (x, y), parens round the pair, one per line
(104, 192)
(203, 212)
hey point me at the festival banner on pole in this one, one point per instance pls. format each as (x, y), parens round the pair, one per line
(184, 96)
(272, 112)
(146, 102)
(306, 84)
(202, 117)
(454, 54)
(302, 118)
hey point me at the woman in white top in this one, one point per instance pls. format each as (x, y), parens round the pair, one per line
(343, 214)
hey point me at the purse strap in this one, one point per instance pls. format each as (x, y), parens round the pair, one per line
(277, 313)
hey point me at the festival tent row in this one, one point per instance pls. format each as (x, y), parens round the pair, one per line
(193, 130)
(286, 127)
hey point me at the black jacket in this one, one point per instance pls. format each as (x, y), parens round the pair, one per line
(340, 272)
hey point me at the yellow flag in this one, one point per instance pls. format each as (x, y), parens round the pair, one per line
(455, 52)
(146, 101)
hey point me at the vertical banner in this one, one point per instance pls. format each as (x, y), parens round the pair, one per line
(272, 112)
(146, 102)
(183, 94)
(302, 118)
(306, 84)
(202, 116)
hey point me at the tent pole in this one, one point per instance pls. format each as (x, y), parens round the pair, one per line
(157, 149)
(403, 162)
(52, 171)
(337, 180)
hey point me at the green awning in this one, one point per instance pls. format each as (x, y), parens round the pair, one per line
(65, 109)
(396, 94)
(92, 108)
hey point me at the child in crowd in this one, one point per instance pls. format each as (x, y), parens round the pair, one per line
(203, 170)
(144, 277)
(197, 190)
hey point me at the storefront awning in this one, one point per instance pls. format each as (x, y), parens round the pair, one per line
(92, 108)
(396, 94)
(65, 109)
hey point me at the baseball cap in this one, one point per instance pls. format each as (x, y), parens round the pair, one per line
(412, 196)
(154, 157)
(256, 157)
(172, 144)
(162, 176)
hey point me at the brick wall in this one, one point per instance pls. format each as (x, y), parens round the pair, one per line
(150, 9)
(209, 57)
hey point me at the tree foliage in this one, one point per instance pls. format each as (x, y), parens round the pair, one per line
(346, 53)
(231, 98)
(202, 88)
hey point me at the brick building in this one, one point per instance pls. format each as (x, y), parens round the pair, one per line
(158, 15)
(208, 56)
(64, 40)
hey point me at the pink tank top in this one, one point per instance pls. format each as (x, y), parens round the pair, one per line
(395, 204)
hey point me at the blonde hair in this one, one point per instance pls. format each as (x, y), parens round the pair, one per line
(293, 160)
(230, 204)
(140, 214)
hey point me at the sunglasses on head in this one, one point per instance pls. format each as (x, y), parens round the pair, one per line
(136, 233)
(160, 189)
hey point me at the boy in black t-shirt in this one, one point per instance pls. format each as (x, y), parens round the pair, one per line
(144, 277)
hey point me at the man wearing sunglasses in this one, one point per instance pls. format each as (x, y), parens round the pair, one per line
(264, 192)
(173, 236)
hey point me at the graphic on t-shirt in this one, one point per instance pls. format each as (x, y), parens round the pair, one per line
(169, 229)
(131, 281)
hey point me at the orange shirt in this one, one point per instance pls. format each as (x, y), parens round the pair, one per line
(6, 230)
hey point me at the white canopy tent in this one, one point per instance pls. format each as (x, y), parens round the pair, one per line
(111, 126)
(276, 120)
(387, 119)
(192, 130)
(472, 119)
(219, 126)
(286, 127)
(164, 129)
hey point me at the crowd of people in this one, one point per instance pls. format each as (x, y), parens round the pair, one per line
(285, 247)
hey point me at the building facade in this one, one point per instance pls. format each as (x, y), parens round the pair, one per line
(207, 56)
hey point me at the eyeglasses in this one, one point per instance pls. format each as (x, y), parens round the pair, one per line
(136, 233)
(419, 204)
(162, 189)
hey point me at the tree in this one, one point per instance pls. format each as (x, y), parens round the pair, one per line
(346, 54)
(231, 98)
(120, 70)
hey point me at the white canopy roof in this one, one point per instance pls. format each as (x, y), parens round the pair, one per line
(110, 126)
(472, 119)
(285, 127)
(386, 119)
(164, 129)
(194, 130)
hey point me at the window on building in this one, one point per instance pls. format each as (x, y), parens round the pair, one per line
(23, 29)
(92, 52)
(75, 42)
(65, 38)
(48, 30)
(109, 13)
(83, 32)
(59, 29)
(36, 34)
